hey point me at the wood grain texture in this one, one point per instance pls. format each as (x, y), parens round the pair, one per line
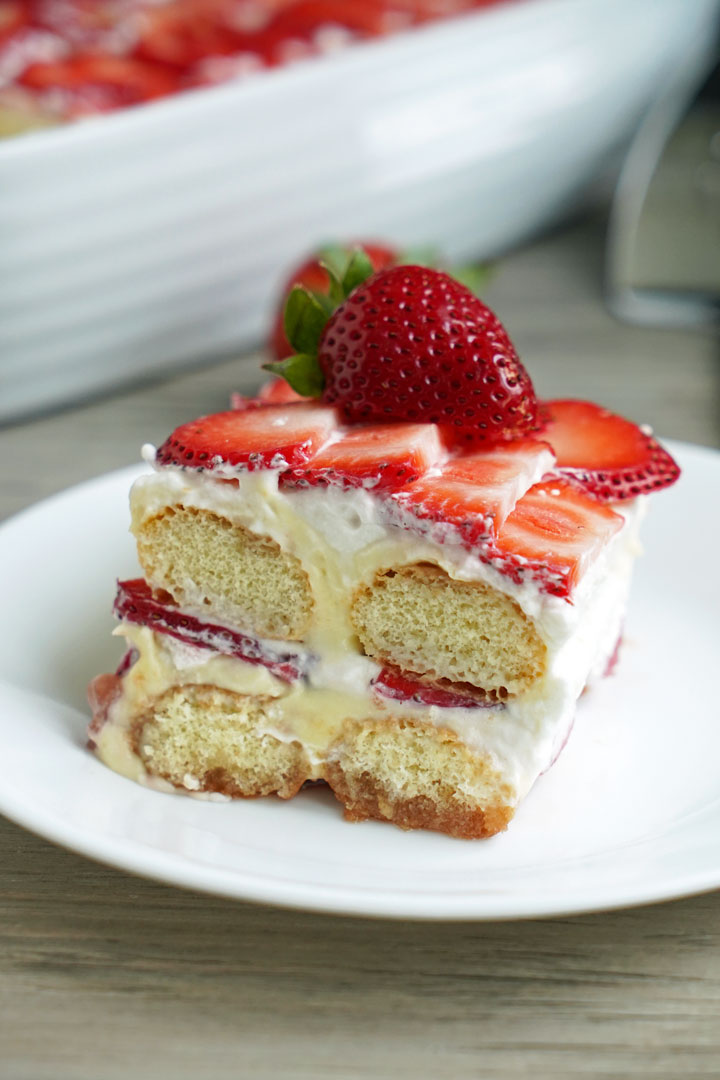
(104, 976)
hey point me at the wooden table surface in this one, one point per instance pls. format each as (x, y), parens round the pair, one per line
(103, 975)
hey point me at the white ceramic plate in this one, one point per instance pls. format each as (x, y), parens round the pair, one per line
(629, 814)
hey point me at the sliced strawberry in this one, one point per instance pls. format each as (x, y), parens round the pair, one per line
(552, 536)
(395, 684)
(610, 457)
(98, 83)
(366, 18)
(381, 457)
(135, 603)
(98, 26)
(130, 657)
(102, 693)
(181, 32)
(13, 15)
(266, 437)
(475, 493)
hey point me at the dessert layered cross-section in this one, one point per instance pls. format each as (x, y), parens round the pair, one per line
(380, 606)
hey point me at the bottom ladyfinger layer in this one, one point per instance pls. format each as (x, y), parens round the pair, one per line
(202, 738)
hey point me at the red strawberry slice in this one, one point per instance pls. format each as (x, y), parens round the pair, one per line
(13, 15)
(102, 693)
(395, 684)
(610, 457)
(314, 277)
(475, 493)
(181, 32)
(380, 457)
(99, 83)
(552, 536)
(363, 17)
(265, 437)
(99, 26)
(135, 603)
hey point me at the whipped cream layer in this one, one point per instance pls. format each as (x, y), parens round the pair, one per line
(342, 538)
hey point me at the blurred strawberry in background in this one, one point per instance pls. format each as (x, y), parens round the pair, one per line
(73, 58)
(13, 16)
(184, 31)
(95, 83)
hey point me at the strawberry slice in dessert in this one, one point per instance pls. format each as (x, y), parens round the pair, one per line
(474, 493)
(609, 457)
(398, 686)
(135, 603)
(553, 535)
(400, 588)
(376, 457)
(90, 83)
(14, 15)
(272, 436)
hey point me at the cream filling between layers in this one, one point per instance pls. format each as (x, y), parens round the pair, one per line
(342, 540)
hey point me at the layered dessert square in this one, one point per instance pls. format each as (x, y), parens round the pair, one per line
(387, 606)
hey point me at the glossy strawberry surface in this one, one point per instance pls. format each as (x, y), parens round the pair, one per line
(552, 537)
(475, 493)
(263, 437)
(378, 457)
(397, 685)
(412, 343)
(611, 458)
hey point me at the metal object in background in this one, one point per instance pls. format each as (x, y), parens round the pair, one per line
(663, 247)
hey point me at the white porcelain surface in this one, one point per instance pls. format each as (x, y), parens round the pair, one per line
(157, 235)
(629, 814)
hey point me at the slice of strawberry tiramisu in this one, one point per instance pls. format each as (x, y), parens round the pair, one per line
(401, 588)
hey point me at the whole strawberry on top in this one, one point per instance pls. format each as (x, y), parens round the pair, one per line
(408, 343)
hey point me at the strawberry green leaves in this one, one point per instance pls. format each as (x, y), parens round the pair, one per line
(306, 315)
(358, 269)
(302, 372)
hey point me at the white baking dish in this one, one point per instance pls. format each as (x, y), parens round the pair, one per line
(157, 236)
